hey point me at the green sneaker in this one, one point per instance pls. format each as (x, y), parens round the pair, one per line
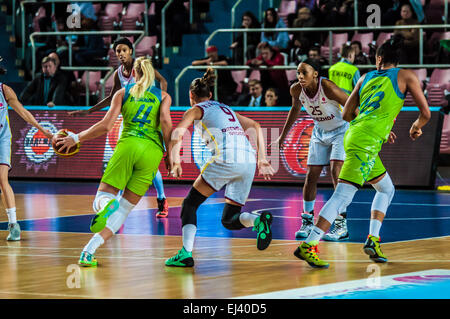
(308, 253)
(372, 248)
(14, 232)
(262, 226)
(98, 222)
(181, 259)
(87, 260)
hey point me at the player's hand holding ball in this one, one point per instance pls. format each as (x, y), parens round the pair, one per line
(66, 143)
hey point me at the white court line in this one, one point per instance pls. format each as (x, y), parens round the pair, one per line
(234, 259)
(368, 203)
(387, 218)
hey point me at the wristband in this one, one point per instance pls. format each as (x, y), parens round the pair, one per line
(74, 136)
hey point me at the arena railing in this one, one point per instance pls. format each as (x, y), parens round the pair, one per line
(330, 31)
(355, 11)
(27, 2)
(277, 67)
(110, 70)
(64, 33)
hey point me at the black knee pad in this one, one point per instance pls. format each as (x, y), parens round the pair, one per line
(190, 205)
(230, 217)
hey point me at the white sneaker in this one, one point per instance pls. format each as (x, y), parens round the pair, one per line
(307, 225)
(339, 231)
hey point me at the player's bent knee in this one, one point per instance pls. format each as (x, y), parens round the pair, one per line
(190, 205)
(101, 199)
(230, 217)
(116, 221)
(385, 192)
(341, 198)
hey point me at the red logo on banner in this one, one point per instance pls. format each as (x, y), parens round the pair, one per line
(41, 145)
(295, 151)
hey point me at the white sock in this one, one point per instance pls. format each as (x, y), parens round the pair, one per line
(247, 219)
(315, 235)
(188, 236)
(375, 226)
(11, 212)
(95, 242)
(308, 206)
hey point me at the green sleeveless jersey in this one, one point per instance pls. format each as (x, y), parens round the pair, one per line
(141, 116)
(380, 101)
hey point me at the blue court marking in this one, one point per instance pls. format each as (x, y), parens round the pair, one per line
(403, 222)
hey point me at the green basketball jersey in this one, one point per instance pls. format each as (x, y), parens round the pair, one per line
(141, 116)
(380, 101)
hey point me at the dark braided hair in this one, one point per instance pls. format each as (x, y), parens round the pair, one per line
(202, 87)
(389, 50)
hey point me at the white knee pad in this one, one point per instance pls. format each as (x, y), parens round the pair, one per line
(101, 199)
(118, 218)
(385, 192)
(342, 197)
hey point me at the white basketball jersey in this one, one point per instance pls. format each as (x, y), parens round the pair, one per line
(326, 113)
(123, 79)
(222, 132)
(5, 132)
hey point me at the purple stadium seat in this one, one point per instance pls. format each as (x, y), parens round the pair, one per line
(39, 14)
(338, 40)
(365, 39)
(445, 138)
(291, 75)
(113, 60)
(145, 46)
(112, 14)
(255, 75)
(132, 16)
(439, 81)
(382, 37)
(94, 80)
(238, 77)
(286, 7)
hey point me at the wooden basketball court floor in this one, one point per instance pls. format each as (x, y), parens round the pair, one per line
(55, 216)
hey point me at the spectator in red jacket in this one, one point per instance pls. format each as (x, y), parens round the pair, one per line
(272, 78)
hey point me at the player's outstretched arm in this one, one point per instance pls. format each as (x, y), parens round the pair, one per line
(103, 103)
(166, 126)
(98, 129)
(191, 115)
(351, 105)
(413, 86)
(248, 125)
(334, 92)
(296, 89)
(14, 102)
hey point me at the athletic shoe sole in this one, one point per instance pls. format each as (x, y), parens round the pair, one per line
(338, 239)
(187, 262)
(161, 215)
(265, 238)
(373, 255)
(98, 222)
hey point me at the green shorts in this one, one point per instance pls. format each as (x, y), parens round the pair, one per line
(362, 163)
(133, 164)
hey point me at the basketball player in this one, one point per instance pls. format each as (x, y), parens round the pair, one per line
(232, 165)
(9, 97)
(122, 76)
(380, 95)
(321, 99)
(145, 110)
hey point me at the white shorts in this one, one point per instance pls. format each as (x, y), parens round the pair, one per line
(326, 146)
(238, 178)
(5, 152)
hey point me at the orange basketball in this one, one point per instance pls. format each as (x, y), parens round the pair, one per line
(72, 151)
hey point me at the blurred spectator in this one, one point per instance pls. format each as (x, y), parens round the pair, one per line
(177, 20)
(88, 48)
(271, 97)
(225, 83)
(344, 74)
(71, 80)
(314, 53)
(304, 20)
(270, 56)
(278, 40)
(298, 51)
(410, 47)
(360, 56)
(249, 21)
(345, 13)
(48, 88)
(326, 16)
(306, 3)
(254, 97)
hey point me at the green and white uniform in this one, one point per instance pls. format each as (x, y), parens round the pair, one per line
(140, 148)
(380, 102)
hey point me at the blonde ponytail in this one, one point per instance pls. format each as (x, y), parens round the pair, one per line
(144, 69)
